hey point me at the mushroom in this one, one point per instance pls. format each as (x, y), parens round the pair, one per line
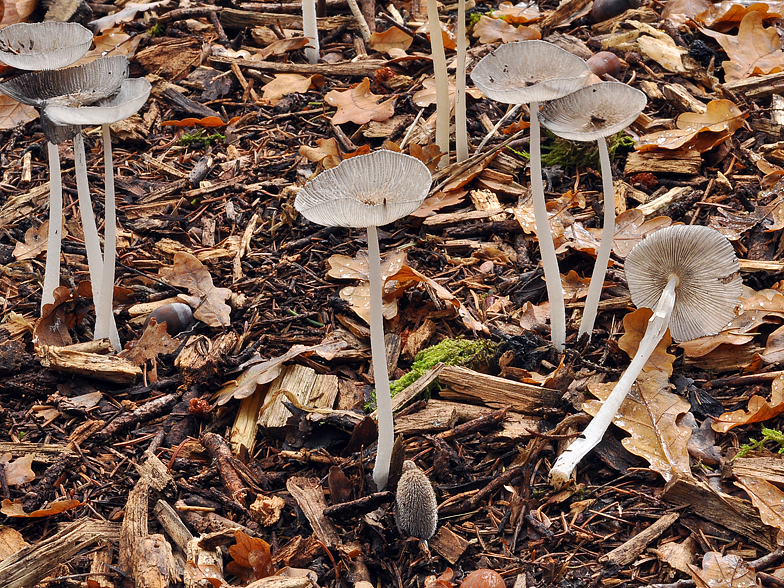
(310, 30)
(594, 113)
(43, 45)
(442, 81)
(689, 276)
(369, 191)
(416, 507)
(461, 124)
(80, 84)
(131, 97)
(530, 72)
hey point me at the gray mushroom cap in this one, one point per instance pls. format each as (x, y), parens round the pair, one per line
(529, 71)
(74, 86)
(709, 285)
(367, 190)
(44, 45)
(131, 97)
(595, 111)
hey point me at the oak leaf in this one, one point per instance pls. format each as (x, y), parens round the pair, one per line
(14, 508)
(391, 39)
(430, 155)
(723, 571)
(727, 15)
(755, 50)
(766, 497)
(13, 113)
(18, 471)
(438, 201)
(359, 105)
(427, 95)
(758, 409)
(679, 11)
(35, 241)
(631, 228)
(154, 341)
(207, 300)
(490, 30)
(285, 83)
(252, 558)
(517, 14)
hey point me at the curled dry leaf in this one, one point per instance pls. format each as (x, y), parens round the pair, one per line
(154, 341)
(574, 286)
(517, 14)
(723, 571)
(56, 319)
(208, 301)
(758, 409)
(767, 499)
(727, 15)
(391, 39)
(438, 201)
(18, 471)
(679, 11)
(427, 95)
(285, 83)
(430, 155)
(359, 105)
(678, 555)
(14, 508)
(631, 228)
(700, 132)
(35, 241)
(252, 557)
(490, 30)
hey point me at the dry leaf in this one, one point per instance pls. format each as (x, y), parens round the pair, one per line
(358, 298)
(700, 132)
(430, 155)
(678, 555)
(282, 46)
(127, 14)
(767, 499)
(755, 50)
(154, 341)
(13, 113)
(11, 540)
(450, 41)
(727, 15)
(196, 574)
(285, 83)
(723, 571)
(574, 286)
(111, 42)
(679, 11)
(252, 558)
(533, 315)
(208, 301)
(359, 105)
(208, 122)
(392, 38)
(517, 14)
(438, 201)
(758, 409)
(56, 319)
(343, 267)
(427, 95)
(19, 471)
(14, 508)
(490, 30)
(631, 228)
(774, 347)
(34, 244)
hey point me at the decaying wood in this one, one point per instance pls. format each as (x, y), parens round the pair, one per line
(171, 522)
(671, 162)
(243, 431)
(233, 19)
(110, 368)
(463, 384)
(359, 506)
(100, 572)
(757, 86)
(360, 68)
(734, 513)
(766, 468)
(409, 393)
(220, 451)
(629, 551)
(448, 544)
(157, 474)
(432, 419)
(147, 411)
(32, 564)
(665, 200)
(310, 498)
(41, 452)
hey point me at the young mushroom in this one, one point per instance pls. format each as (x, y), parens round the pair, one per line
(689, 276)
(416, 511)
(594, 113)
(368, 191)
(131, 97)
(530, 72)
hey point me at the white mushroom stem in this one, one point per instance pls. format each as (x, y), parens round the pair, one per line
(91, 241)
(386, 433)
(442, 81)
(603, 255)
(52, 272)
(310, 30)
(552, 276)
(594, 432)
(461, 125)
(104, 319)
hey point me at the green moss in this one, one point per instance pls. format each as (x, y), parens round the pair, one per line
(565, 153)
(773, 435)
(157, 30)
(197, 138)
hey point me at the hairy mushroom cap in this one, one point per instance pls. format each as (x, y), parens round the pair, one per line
(417, 507)
(367, 190)
(131, 97)
(43, 45)
(595, 111)
(529, 71)
(709, 282)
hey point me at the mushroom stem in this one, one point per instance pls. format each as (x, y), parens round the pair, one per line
(461, 125)
(442, 81)
(603, 255)
(91, 241)
(552, 276)
(104, 319)
(593, 433)
(52, 272)
(379, 357)
(310, 30)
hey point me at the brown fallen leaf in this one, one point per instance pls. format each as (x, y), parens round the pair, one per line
(439, 200)
(285, 83)
(56, 319)
(574, 286)
(448, 36)
(766, 497)
(282, 46)
(698, 132)
(35, 241)
(755, 50)
(207, 300)
(517, 14)
(18, 471)
(727, 15)
(113, 41)
(679, 11)
(490, 30)
(723, 571)
(758, 409)
(631, 228)
(11, 541)
(427, 95)
(252, 558)
(196, 574)
(392, 38)
(14, 508)
(359, 105)
(430, 155)
(678, 555)
(13, 113)
(154, 341)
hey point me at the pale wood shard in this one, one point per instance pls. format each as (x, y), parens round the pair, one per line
(310, 498)
(109, 368)
(201, 556)
(41, 452)
(408, 394)
(454, 218)
(309, 389)
(514, 427)
(465, 384)
(32, 564)
(276, 582)
(359, 68)
(243, 431)
(757, 86)
(631, 549)
(434, 418)
(658, 204)
(759, 265)
(680, 97)
(736, 514)
(487, 200)
(766, 468)
(448, 544)
(157, 474)
(100, 572)
(23, 206)
(172, 523)
(418, 339)
(667, 162)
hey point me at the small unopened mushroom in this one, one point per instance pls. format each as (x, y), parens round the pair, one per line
(689, 276)
(530, 72)
(416, 510)
(594, 113)
(368, 191)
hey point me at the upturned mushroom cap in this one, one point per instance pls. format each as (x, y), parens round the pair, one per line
(416, 505)
(367, 190)
(709, 283)
(529, 71)
(43, 45)
(595, 111)
(73, 86)
(131, 97)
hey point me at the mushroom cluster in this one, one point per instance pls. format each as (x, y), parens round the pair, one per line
(67, 98)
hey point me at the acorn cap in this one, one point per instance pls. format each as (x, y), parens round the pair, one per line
(529, 71)
(595, 111)
(416, 510)
(73, 86)
(709, 283)
(131, 97)
(44, 45)
(367, 190)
